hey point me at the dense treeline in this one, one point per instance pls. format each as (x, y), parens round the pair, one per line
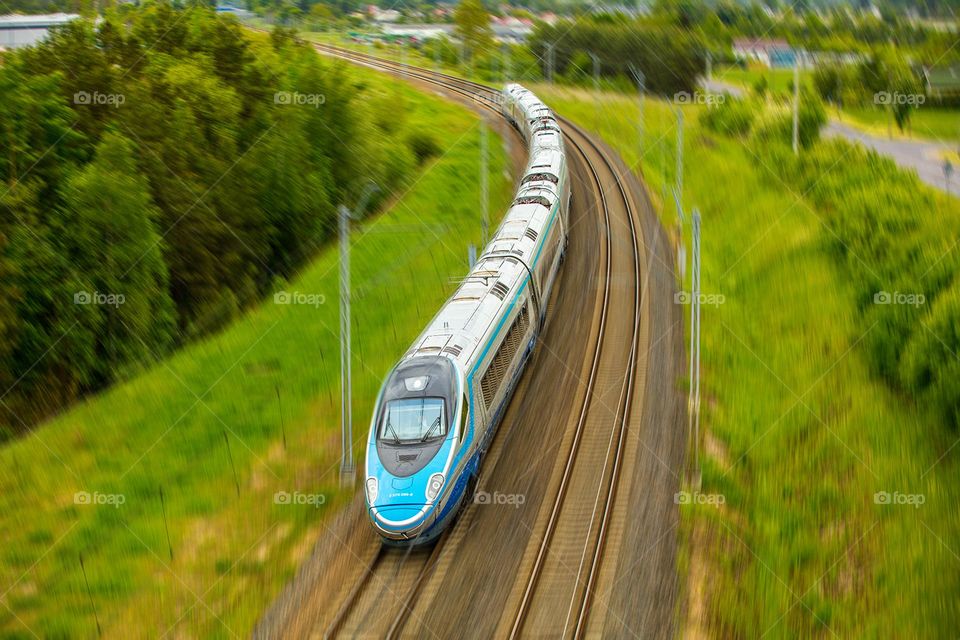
(158, 175)
(669, 58)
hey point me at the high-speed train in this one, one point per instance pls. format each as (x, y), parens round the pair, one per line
(439, 407)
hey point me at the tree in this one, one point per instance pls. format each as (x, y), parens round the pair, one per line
(473, 27)
(109, 235)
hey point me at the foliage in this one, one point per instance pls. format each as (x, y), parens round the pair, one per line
(267, 387)
(169, 163)
(777, 124)
(473, 27)
(732, 117)
(669, 58)
(906, 272)
(424, 145)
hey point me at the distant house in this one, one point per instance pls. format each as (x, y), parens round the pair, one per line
(383, 15)
(510, 29)
(416, 32)
(767, 52)
(943, 82)
(22, 31)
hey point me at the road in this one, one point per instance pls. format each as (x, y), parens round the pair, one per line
(913, 155)
(922, 157)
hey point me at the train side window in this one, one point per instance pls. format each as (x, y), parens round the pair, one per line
(463, 416)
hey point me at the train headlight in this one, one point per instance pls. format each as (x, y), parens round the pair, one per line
(372, 489)
(434, 485)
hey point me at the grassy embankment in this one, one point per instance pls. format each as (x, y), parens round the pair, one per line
(799, 436)
(207, 428)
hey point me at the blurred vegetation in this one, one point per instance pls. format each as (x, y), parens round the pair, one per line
(799, 431)
(222, 425)
(166, 162)
(670, 58)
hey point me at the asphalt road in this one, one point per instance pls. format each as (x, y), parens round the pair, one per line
(922, 157)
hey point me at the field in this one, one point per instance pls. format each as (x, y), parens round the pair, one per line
(829, 504)
(928, 123)
(778, 80)
(182, 500)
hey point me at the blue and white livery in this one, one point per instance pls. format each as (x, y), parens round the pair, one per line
(439, 407)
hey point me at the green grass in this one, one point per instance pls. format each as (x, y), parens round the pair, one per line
(937, 124)
(232, 547)
(799, 434)
(778, 80)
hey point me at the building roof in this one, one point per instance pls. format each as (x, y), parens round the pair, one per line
(765, 44)
(14, 21)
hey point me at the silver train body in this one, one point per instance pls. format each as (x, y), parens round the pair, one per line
(439, 407)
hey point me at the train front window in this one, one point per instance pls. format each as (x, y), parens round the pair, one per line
(412, 420)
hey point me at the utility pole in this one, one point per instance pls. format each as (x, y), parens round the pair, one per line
(507, 63)
(550, 63)
(347, 468)
(693, 398)
(640, 79)
(484, 200)
(796, 105)
(679, 169)
(596, 90)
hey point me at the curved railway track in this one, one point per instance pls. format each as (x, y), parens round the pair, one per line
(552, 597)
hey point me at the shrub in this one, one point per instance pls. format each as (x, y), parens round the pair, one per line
(733, 117)
(423, 144)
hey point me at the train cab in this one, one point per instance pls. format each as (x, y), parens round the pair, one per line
(416, 430)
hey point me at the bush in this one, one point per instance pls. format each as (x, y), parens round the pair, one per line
(423, 144)
(811, 119)
(907, 276)
(732, 117)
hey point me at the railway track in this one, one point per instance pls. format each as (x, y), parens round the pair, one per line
(571, 547)
(552, 595)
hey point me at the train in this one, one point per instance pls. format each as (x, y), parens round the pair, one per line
(438, 409)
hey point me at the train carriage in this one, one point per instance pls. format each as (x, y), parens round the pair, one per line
(438, 409)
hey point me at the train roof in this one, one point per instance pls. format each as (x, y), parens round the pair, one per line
(467, 318)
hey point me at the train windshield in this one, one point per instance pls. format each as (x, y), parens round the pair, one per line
(411, 420)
